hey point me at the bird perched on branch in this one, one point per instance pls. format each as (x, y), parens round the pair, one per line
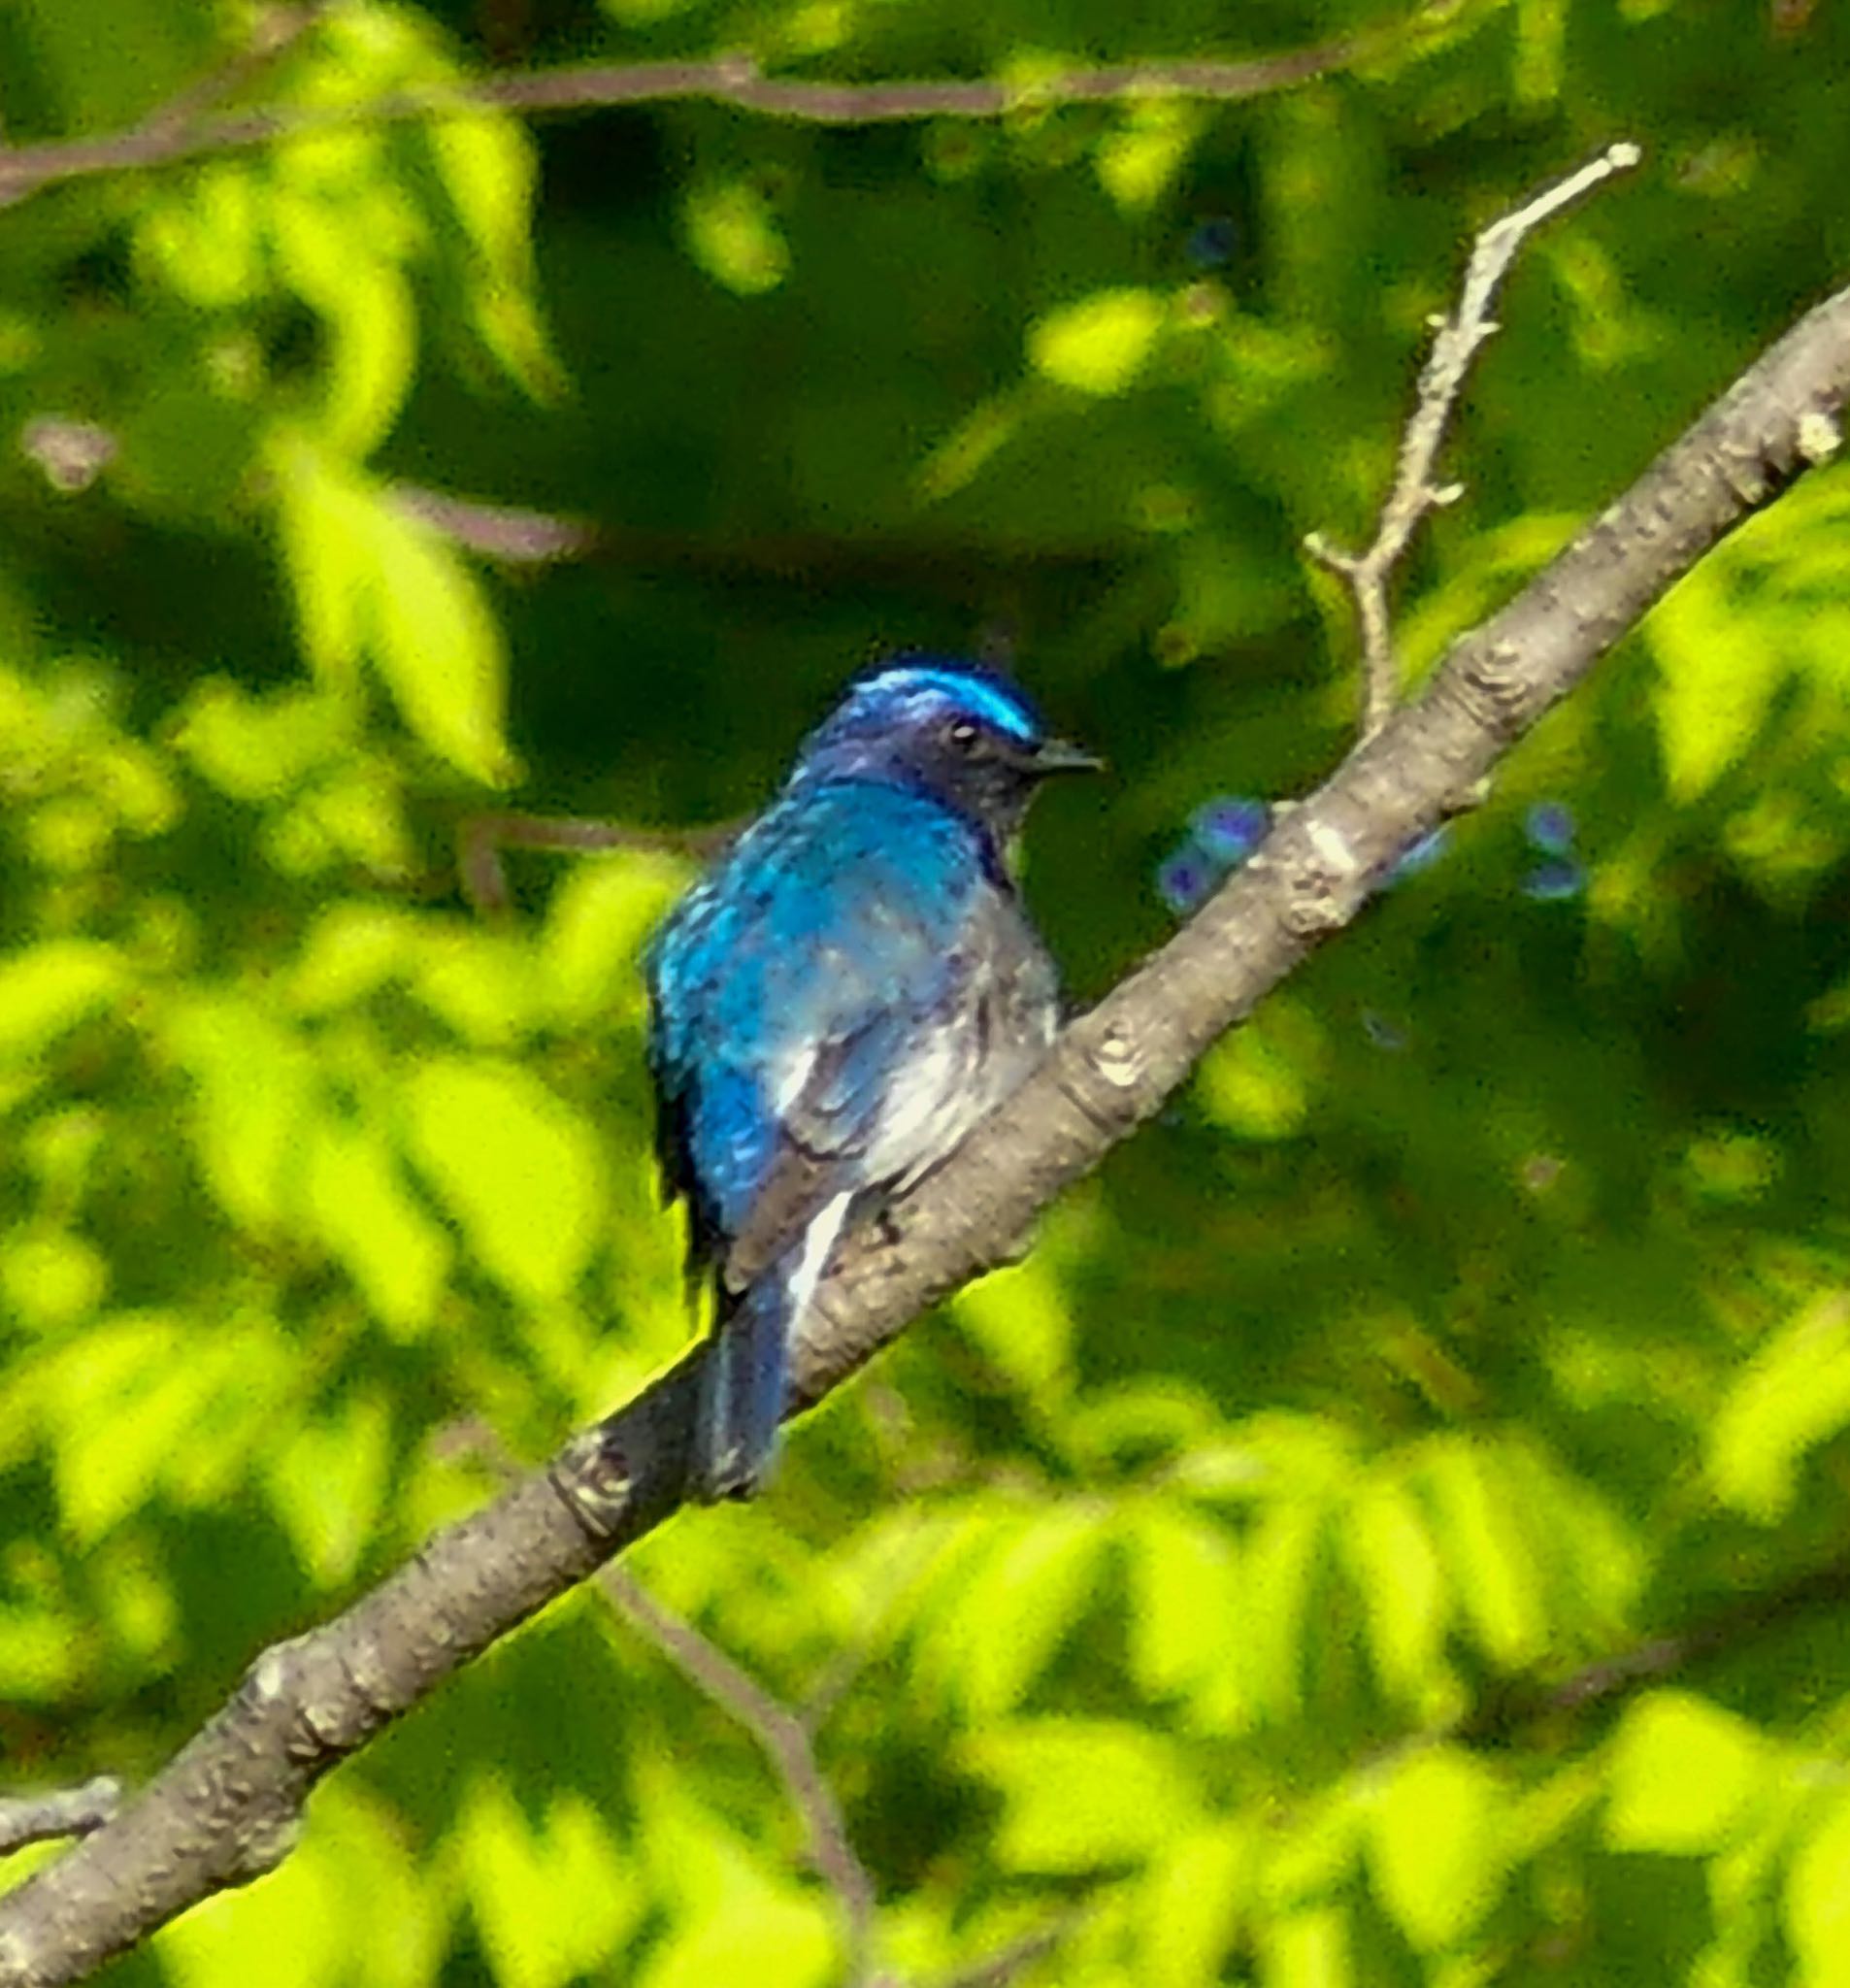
(837, 1003)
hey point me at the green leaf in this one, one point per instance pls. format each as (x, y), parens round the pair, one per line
(1187, 1607)
(1137, 163)
(1195, 1900)
(1259, 1081)
(1718, 672)
(372, 579)
(732, 235)
(328, 1482)
(1018, 1606)
(1490, 1560)
(49, 989)
(487, 168)
(1793, 1394)
(365, 1214)
(1100, 345)
(592, 1898)
(1397, 1572)
(1307, 1949)
(596, 924)
(520, 1171)
(1436, 1852)
(1084, 1793)
(1684, 1775)
(1817, 1899)
(438, 645)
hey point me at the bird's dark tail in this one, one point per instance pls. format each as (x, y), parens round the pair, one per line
(742, 1389)
(744, 1384)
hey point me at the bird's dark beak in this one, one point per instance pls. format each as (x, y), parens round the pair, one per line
(1061, 756)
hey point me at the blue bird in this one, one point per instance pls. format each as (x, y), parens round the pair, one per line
(835, 1004)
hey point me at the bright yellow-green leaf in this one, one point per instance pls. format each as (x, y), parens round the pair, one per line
(352, 949)
(1793, 1394)
(520, 1171)
(50, 988)
(1099, 345)
(1020, 1319)
(487, 986)
(254, 1086)
(1084, 1793)
(1151, 144)
(365, 302)
(439, 646)
(328, 1482)
(1188, 1613)
(50, 1277)
(733, 236)
(1397, 1572)
(326, 523)
(366, 1218)
(777, 1939)
(1258, 1082)
(1435, 1852)
(488, 169)
(1479, 1529)
(1018, 1606)
(596, 924)
(1195, 1900)
(120, 1400)
(1684, 1775)
(591, 1895)
(1308, 1949)
(1817, 1900)
(370, 578)
(1718, 672)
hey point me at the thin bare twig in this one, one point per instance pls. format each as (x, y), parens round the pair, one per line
(277, 31)
(1007, 1961)
(171, 135)
(60, 1812)
(481, 838)
(511, 533)
(786, 1744)
(1455, 344)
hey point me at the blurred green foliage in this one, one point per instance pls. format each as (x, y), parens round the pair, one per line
(1204, 1589)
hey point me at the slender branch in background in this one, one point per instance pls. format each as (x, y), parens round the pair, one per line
(61, 1812)
(275, 32)
(177, 131)
(508, 532)
(230, 1806)
(1455, 344)
(480, 839)
(787, 1745)
(1723, 1632)
(1005, 1964)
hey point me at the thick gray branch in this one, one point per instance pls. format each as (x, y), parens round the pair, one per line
(229, 1806)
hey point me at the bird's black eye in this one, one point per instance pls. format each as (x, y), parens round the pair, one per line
(961, 734)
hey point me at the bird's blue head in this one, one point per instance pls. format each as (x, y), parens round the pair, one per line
(954, 729)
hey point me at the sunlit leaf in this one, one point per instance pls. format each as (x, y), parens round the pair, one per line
(1684, 1773)
(1791, 1395)
(1083, 1794)
(520, 1171)
(1435, 1850)
(1100, 345)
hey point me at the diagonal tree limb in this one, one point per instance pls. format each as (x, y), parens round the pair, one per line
(230, 1804)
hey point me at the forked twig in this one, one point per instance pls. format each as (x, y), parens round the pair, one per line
(1455, 344)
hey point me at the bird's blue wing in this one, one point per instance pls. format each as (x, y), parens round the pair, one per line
(789, 992)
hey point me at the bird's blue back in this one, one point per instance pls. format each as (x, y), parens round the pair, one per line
(835, 1006)
(836, 921)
